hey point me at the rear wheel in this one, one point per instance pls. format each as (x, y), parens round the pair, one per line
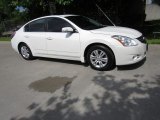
(100, 58)
(25, 52)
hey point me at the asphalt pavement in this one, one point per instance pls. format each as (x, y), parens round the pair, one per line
(52, 89)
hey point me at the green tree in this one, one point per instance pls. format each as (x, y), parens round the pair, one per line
(36, 8)
(64, 2)
(5, 9)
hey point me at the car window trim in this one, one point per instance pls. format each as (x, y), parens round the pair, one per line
(75, 30)
(45, 29)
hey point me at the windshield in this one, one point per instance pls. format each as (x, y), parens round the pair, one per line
(85, 23)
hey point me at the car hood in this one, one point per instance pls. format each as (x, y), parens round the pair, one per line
(113, 30)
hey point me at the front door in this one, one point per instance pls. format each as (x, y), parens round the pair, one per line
(62, 44)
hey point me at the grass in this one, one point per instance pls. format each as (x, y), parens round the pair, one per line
(5, 39)
(153, 41)
(150, 41)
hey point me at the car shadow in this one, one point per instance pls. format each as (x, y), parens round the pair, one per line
(132, 67)
(63, 61)
(119, 68)
(71, 62)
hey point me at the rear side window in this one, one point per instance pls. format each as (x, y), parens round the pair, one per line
(56, 24)
(26, 28)
(35, 26)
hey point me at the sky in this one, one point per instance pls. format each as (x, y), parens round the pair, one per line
(148, 1)
(21, 9)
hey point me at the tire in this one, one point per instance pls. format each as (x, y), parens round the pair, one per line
(100, 58)
(25, 52)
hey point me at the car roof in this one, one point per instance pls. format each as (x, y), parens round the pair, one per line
(62, 16)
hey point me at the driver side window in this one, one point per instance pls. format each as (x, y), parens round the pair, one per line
(56, 24)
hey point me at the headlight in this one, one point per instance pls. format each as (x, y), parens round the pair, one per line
(125, 41)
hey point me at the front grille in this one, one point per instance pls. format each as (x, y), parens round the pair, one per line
(142, 39)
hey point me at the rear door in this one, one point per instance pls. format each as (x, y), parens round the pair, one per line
(35, 35)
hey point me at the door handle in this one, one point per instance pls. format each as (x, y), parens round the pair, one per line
(26, 36)
(49, 38)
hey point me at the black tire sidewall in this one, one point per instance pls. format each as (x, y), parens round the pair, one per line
(30, 53)
(111, 58)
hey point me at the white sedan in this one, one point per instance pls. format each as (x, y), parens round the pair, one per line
(75, 37)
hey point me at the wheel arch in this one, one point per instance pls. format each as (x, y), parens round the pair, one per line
(94, 44)
(21, 43)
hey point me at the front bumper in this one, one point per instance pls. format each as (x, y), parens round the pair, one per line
(130, 55)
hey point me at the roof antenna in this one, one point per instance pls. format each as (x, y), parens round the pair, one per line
(105, 14)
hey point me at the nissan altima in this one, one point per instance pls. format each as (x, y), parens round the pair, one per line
(79, 38)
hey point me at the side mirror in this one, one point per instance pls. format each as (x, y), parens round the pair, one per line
(67, 29)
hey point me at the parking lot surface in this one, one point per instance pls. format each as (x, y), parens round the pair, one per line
(49, 89)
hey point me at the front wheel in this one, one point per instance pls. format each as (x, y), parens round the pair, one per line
(25, 52)
(100, 58)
